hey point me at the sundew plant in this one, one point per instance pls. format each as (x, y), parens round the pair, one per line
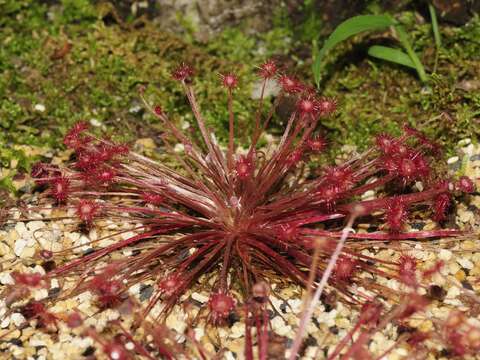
(232, 222)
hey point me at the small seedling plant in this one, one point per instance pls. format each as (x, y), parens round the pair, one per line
(231, 222)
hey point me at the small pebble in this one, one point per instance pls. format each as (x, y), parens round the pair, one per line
(19, 246)
(95, 122)
(201, 298)
(419, 185)
(35, 225)
(39, 108)
(6, 279)
(199, 333)
(21, 229)
(445, 255)
(453, 293)
(40, 294)
(453, 267)
(36, 342)
(460, 275)
(229, 355)
(368, 195)
(146, 292)
(237, 330)
(179, 148)
(82, 244)
(295, 304)
(127, 235)
(469, 150)
(465, 263)
(465, 216)
(5, 323)
(72, 236)
(464, 142)
(135, 109)
(17, 319)
(272, 88)
(279, 326)
(453, 160)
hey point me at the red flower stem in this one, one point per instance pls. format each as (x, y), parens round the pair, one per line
(265, 124)
(201, 124)
(308, 132)
(286, 133)
(231, 141)
(223, 177)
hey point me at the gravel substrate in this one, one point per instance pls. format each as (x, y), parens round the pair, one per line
(20, 242)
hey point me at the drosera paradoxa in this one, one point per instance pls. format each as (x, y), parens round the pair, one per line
(242, 219)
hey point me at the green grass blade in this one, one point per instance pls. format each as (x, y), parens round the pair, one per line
(405, 41)
(346, 29)
(436, 34)
(436, 31)
(390, 54)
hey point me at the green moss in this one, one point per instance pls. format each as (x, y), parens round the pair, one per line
(96, 79)
(309, 30)
(77, 11)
